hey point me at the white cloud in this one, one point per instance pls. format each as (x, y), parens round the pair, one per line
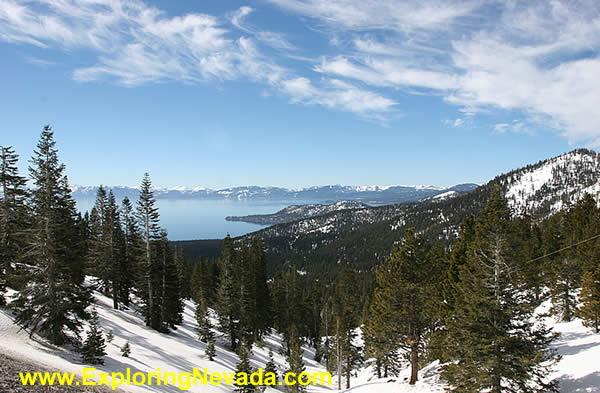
(273, 39)
(336, 94)
(137, 44)
(406, 15)
(541, 58)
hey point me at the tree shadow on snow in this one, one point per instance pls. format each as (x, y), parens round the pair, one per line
(588, 384)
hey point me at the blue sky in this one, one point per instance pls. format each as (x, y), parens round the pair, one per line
(297, 93)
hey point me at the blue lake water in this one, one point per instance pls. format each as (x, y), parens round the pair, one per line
(205, 219)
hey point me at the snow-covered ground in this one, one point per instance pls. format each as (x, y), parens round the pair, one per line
(180, 351)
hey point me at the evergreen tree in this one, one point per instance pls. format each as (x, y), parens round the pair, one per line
(589, 298)
(346, 356)
(109, 336)
(114, 240)
(147, 215)
(171, 303)
(527, 239)
(228, 302)
(94, 346)
(295, 365)
(204, 329)
(13, 214)
(262, 298)
(184, 272)
(494, 340)
(210, 352)
(126, 350)
(130, 248)
(243, 371)
(404, 284)
(98, 251)
(54, 299)
(379, 343)
(271, 367)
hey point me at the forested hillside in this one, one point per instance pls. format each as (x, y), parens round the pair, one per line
(361, 238)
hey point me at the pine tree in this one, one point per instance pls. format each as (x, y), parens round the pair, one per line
(130, 249)
(580, 223)
(54, 299)
(98, 250)
(404, 284)
(204, 329)
(110, 336)
(126, 350)
(171, 303)
(346, 355)
(379, 343)
(243, 371)
(262, 298)
(589, 298)
(295, 365)
(228, 302)
(184, 272)
(147, 215)
(13, 214)
(494, 340)
(94, 346)
(210, 352)
(270, 367)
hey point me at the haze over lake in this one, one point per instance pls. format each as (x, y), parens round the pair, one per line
(205, 219)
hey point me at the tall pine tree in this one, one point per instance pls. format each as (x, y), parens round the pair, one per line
(54, 301)
(494, 340)
(13, 214)
(148, 217)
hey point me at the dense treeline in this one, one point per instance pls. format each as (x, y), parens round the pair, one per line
(48, 249)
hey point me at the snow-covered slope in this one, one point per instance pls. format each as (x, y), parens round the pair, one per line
(179, 351)
(578, 371)
(547, 185)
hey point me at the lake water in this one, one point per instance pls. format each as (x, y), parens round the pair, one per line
(205, 219)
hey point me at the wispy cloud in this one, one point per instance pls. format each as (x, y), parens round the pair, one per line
(39, 62)
(541, 58)
(135, 44)
(273, 39)
(337, 94)
(406, 16)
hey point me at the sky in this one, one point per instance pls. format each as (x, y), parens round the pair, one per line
(297, 93)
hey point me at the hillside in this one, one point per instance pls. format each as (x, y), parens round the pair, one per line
(298, 212)
(363, 237)
(180, 351)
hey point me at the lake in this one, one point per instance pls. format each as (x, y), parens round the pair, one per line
(205, 219)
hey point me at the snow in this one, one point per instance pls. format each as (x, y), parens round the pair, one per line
(546, 182)
(578, 371)
(179, 351)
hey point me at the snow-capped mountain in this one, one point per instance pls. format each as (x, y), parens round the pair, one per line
(333, 193)
(362, 236)
(546, 186)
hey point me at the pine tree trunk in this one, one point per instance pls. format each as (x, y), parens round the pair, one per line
(414, 362)
(338, 353)
(149, 275)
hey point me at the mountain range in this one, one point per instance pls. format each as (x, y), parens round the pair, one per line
(374, 195)
(362, 237)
